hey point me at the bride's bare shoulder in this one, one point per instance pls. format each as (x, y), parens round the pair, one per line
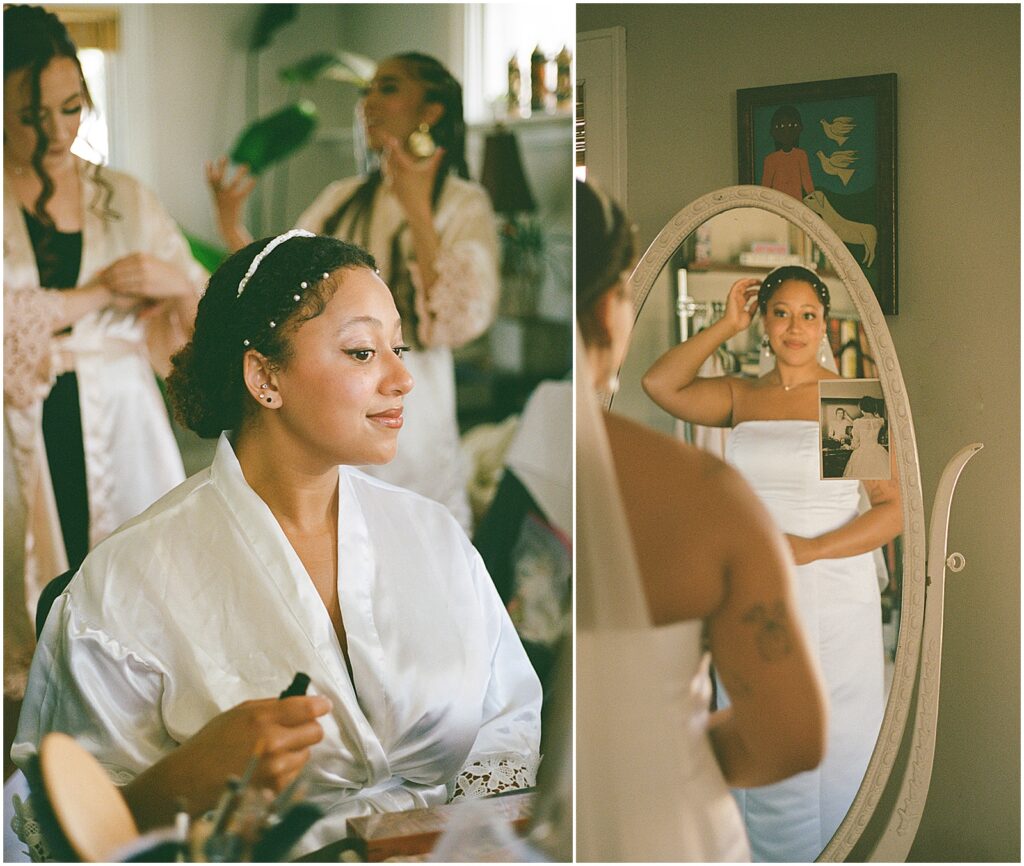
(666, 469)
(687, 509)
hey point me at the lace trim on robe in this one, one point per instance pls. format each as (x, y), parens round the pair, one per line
(463, 299)
(27, 829)
(30, 316)
(494, 774)
(26, 826)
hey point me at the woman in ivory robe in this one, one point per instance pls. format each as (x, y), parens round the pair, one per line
(165, 654)
(99, 289)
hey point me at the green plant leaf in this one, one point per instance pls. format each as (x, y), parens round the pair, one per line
(335, 66)
(273, 16)
(272, 138)
(208, 255)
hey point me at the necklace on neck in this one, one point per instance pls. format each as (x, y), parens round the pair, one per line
(796, 384)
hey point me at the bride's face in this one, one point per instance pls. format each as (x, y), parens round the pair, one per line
(794, 321)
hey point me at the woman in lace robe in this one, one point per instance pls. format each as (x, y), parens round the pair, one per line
(166, 652)
(99, 289)
(434, 233)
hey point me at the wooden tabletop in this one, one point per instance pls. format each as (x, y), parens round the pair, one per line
(407, 834)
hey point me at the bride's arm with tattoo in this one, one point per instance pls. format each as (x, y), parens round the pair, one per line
(775, 726)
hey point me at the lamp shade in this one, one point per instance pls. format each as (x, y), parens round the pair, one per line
(503, 176)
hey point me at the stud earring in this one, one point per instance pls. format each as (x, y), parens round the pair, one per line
(421, 142)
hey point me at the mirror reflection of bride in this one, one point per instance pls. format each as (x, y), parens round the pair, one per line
(774, 443)
(654, 766)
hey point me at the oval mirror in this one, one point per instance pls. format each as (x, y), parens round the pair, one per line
(680, 286)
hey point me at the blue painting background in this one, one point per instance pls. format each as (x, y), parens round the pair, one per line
(856, 201)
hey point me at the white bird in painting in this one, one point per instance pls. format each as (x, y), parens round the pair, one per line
(839, 129)
(839, 164)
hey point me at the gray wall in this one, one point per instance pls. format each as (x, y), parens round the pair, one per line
(958, 330)
(187, 101)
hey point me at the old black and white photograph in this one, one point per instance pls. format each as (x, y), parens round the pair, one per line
(854, 430)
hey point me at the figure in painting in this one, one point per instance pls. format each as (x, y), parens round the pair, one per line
(786, 168)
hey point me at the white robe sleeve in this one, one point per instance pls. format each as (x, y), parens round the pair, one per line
(88, 685)
(506, 752)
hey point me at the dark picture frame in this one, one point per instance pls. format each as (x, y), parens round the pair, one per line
(832, 144)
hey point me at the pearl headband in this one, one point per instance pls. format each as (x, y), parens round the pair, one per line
(266, 251)
(269, 248)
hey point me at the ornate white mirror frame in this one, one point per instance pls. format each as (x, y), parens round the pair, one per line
(921, 619)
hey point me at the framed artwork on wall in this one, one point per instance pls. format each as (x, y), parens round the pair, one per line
(832, 145)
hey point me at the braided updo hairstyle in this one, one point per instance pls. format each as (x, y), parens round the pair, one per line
(605, 247)
(292, 285)
(791, 272)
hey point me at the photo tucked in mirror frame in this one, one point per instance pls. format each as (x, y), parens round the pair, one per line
(740, 328)
(854, 430)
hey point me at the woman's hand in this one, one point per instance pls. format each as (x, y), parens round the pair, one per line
(282, 731)
(144, 277)
(741, 303)
(229, 193)
(229, 197)
(410, 179)
(803, 549)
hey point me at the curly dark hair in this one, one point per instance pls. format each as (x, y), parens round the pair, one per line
(290, 286)
(33, 38)
(605, 247)
(791, 272)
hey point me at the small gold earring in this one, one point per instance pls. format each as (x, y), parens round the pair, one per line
(421, 142)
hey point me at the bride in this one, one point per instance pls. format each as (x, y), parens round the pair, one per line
(653, 765)
(775, 445)
(869, 459)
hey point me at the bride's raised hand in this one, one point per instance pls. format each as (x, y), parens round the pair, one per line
(741, 303)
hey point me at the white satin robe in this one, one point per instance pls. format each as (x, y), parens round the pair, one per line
(201, 603)
(461, 306)
(131, 457)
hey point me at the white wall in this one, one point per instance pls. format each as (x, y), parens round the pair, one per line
(958, 330)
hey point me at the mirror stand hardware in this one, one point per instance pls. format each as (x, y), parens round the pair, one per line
(905, 819)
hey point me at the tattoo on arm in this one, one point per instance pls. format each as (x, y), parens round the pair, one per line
(773, 635)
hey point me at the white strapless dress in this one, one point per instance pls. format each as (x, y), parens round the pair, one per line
(840, 610)
(648, 785)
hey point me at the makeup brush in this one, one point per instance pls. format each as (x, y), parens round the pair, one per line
(298, 686)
